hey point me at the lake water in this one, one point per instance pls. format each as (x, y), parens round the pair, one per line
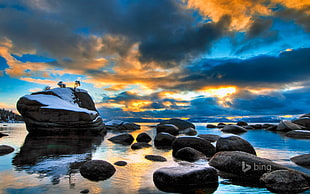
(50, 164)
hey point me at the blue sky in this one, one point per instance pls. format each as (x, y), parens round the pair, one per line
(161, 58)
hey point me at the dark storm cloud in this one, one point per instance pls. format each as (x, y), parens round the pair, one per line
(263, 71)
(300, 16)
(259, 27)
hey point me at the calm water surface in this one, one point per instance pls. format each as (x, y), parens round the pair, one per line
(50, 164)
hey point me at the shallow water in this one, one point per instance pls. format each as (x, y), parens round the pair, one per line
(50, 165)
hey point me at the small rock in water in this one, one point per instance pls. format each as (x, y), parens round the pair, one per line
(233, 129)
(2, 134)
(96, 170)
(140, 145)
(234, 143)
(5, 149)
(299, 134)
(143, 137)
(155, 158)
(242, 123)
(167, 128)
(189, 154)
(211, 126)
(302, 160)
(85, 191)
(164, 140)
(125, 139)
(120, 163)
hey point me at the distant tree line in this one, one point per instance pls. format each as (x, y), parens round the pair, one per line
(9, 116)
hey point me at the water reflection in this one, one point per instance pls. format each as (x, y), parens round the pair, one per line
(55, 156)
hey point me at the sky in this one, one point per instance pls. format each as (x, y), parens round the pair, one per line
(161, 58)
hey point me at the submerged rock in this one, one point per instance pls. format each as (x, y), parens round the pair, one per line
(124, 139)
(59, 111)
(299, 134)
(140, 145)
(234, 143)
(120, 163)
(2, 134)
(184, 178)
(285, 181)
(97, 170)
(155, 158)
(164, 140)
(5, 149)
(197, 143)
(181, 124)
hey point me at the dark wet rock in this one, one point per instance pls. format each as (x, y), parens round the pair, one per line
(143, 137)
(266, 125)
(155, 158)
(242, 123)
(188, 131)
(244, 166)
(233, 129)
(5, 149)
(302, 160)
(120, 163)
(119, 125)
(234, 143)
(299, 134)
(189, 154)
(197, 143)
(305, 116)
(183, 178)
(97, 170)
(59, 111)
(209, 137)
(85, 191)
(167, 128)
(303, 121)
(2, 134)
(124, 139)
(257, 126)
(140, 145)
(221, 125)
(164, 140)
(181, 124)
(272, 128)
(211, 126)
(285, 181)
(249, 127)
(286, 125)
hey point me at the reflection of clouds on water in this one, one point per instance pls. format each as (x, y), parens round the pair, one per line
(55, 156)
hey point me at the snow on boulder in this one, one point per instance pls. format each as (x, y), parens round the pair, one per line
(60, 110)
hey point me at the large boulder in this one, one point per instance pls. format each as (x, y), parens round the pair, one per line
(303, 121)
(164, 140)
(97, 170)
(286, 125)
(59, 111)
(189, 154)
(182, 179)
(209, 137)
(285, 181)
(181, 124)
(245, 166)
(167, 128)
(197, 143)
(235, 129)
(143, 137)
(124, 139)
(302, 160)
(119, 125)
(234, 143)
(299, 134)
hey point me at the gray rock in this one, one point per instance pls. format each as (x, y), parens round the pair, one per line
(143, 137)
(245, 166)
(189, 154)
(242, 123)
(299, 134)
(124, 139)
(233, 129)
(119, 125)
(197, 143)
(188, 131)
(167, 128)
(5, 149)
(209, 137)
(59, 111)
(257, 126)
(302, 160)
(211, 126)
(234, 143)
(285, 181)
(97, 170)
(181, 124)
(303, 121)
(183, 178)
(155, 158)
(164, 140)
(286, 125)
(140, 145)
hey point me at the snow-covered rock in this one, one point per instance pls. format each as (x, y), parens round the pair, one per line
(60, 110)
